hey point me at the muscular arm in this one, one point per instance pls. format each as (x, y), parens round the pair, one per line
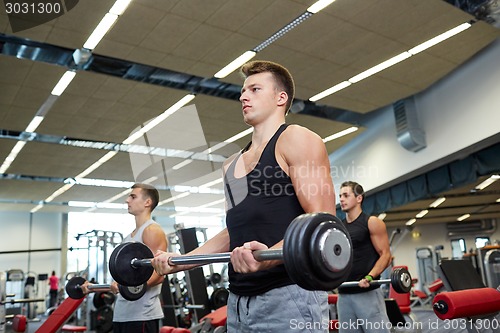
(154, 237)
(380, 241)
(307, 164)
(303, 156)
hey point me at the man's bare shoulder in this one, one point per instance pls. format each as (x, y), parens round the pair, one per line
(298, 137)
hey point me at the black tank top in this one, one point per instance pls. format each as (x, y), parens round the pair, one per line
(364, 254)
(261, 205)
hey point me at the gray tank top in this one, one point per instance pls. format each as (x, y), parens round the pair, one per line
(147, 307)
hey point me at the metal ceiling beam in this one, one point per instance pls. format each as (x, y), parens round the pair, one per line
(23, 48)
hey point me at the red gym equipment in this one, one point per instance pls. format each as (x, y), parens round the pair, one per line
(466, 303)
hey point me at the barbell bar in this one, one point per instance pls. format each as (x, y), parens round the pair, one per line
(400, 281)
(317, 254)
(130, 293)
(22, 300)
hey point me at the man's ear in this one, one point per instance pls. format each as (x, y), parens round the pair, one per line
(282, 98)
(359, 198)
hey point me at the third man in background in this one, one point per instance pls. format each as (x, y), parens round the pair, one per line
(144, 314)
(362, 308)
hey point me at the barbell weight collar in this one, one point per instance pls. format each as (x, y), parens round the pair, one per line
(324, 264)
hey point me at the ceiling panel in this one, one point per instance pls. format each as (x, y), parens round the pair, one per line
(198, 38)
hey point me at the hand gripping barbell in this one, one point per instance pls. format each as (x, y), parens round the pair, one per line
(130, 293)
(400, 281)
(317, 254)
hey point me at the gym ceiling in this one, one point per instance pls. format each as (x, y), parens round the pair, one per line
(158, 51)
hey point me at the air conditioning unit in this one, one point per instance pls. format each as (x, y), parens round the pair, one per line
(410, 135)
(486, 226)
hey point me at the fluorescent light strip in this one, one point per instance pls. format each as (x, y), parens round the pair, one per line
(498, 200)
(245, 57)
(81, 204)
(97, 164)
(213, 203)
(340, 134)
(58, 192)
(216, 147)
(390, 62)
(103, 182)
(181, 164)
(12, 156)
(239, 135)
(329, 91)
(236, 63)
(212, 183)
(102, 29)
(380, 67)
(410, 221)
(90, 204)
(421, 214)
(171, 110)
(439, 38)
(63, 83)
(437, 202)
(36, 208)
(463, 217)
(178, 196)
(33, 125)
(487, 182)
(118, 196)
(119, 7)
(319, 5)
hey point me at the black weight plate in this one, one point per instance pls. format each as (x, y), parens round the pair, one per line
(215, 279)
(104, 319)
(133, 293)
(98, 299)
(296, 251)
(401, 280)
(219, 298)
(102, 298)
(311, 280)
(73, 287)
(289, 244)
(331, 252)
(120, 264)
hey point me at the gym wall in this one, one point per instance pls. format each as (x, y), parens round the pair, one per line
(21, 231)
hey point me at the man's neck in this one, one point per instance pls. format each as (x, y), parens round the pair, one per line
(263, 132)
(353, 214)
(141, 219)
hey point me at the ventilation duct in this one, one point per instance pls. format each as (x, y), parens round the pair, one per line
(410, 135)
(486, 226)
